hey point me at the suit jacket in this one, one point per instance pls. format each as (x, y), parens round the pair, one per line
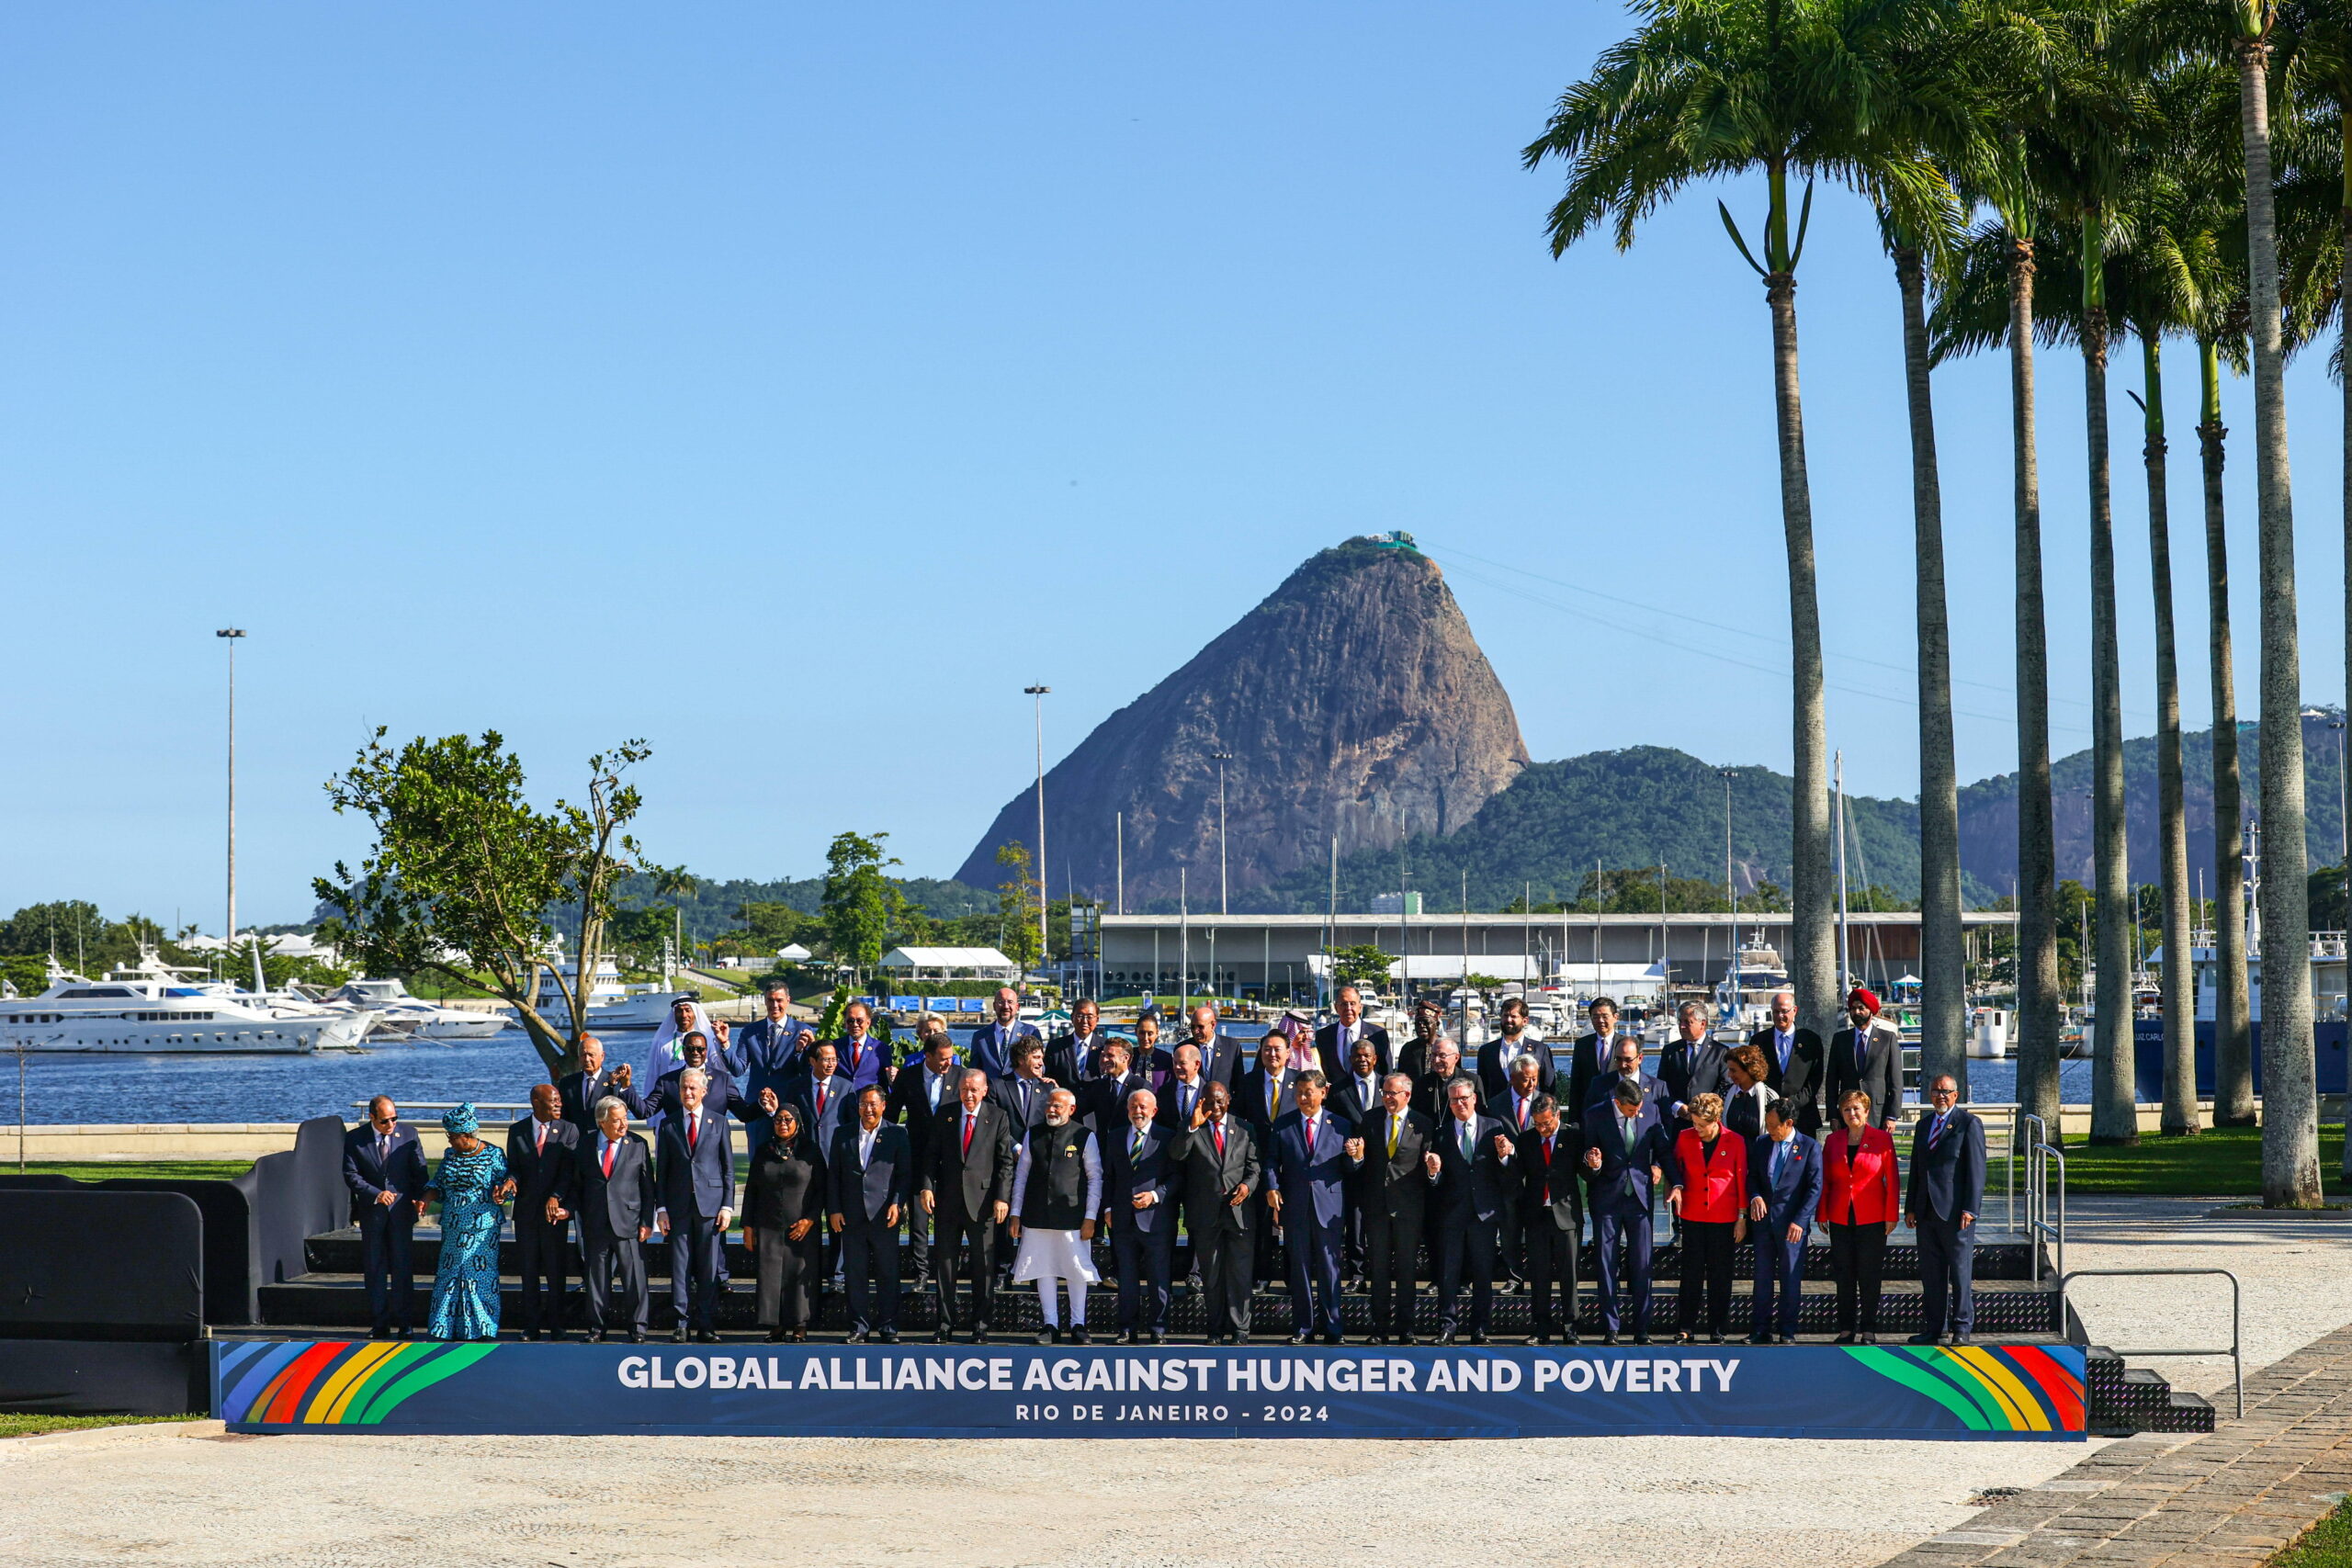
(868, 1071)
(817, 1128)
(1430, 1092)
(1250, 1098)
(1026, 1107)
(1210, 1178)
(1172, 1113)
(1946, 1169)
(1550, 1191)
(1334, 1061)
(1585, 1066)
(1157, 1170)
(539, 1175)
(863, 1195)
(1791, 1200)
(1103, 1102)
(1800, 1080)
(1504, 1107)
(696, 1182)
(1689, 1073)
(1715, 1185)
(1062, 1063)
(1393, 1186)
(1156, 1067)
(1220, 1064)
(992, 1046)
(1494, 1070)
(1653, 1093)
(910, 1105)
(1621, 1186)
(1879, 1075)
(618, 1205)
(719, 1091)
(1866, 1190)
(1314, 1188)
(1481, 1185)
(963, 1183)
(402, 1170)
(768, 1055)
(1353, 1101)
(578, 1095)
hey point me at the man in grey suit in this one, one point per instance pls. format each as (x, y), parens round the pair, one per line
(612, 1193)
(1867, 1055)
(1691, 1065)
(868, 1178)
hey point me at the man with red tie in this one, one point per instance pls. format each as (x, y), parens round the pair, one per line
(859, 1058)
(538, 1155)
(1306, 1174)
(1551, 1215)
(612, 1193)
(1515, 1109)
(966, 1188)
(1220, 1173)
(694, 1169)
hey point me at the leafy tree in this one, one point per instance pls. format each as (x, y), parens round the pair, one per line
(1362, 966)
(464, 872)
(858, 900)
(1017, 898)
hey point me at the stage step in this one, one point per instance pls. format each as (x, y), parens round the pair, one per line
(2124, 1400)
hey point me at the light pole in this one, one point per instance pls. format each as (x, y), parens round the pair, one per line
(2343, 832)
(1037, 695)
(233, 636)
(1222, 758)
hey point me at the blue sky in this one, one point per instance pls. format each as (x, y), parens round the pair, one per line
(790, 387)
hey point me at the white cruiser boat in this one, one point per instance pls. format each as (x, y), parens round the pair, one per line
(152, 1009)
(399, 1011)
(613, 1008)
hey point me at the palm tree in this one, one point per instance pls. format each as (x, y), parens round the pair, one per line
(1792, 89)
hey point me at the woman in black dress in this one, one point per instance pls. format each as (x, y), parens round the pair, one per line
(783, 1208)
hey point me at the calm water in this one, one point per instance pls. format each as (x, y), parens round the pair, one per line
(502, 1070)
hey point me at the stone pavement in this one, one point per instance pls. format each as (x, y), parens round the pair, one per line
(2228, 1500)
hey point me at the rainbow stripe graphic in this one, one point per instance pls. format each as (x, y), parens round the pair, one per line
(2014, 1387)
(331, 1382)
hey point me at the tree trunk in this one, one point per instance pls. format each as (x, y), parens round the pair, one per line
(2114, 1118)
(1943, 1012)
(2171, 823)
(2037, 952)
(2232, 1034)
(2343, 344)
(2290, 1100)
(1814, 965)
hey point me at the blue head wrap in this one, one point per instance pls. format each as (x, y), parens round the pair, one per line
(461, 1120)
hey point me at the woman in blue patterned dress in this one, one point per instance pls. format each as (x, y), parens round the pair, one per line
(470, 1183)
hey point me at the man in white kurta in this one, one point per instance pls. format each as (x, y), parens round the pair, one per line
(1057, 1192)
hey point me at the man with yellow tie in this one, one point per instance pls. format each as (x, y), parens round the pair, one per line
(1262, 1097)
(1387, 1154)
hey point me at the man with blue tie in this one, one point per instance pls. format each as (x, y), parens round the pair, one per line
(383, 1166)
(1625, 1152)
(1793, 1061)
(1220, 1057)
(1023, 1090)
(1336, 1042)
(1785, 1167)
(1186, 1088)
(767, 1056)
(1307, 1175)
(694, 1170)
(1947, 1193)
(870, 1177)
(1472, 1160)
(992, 1043)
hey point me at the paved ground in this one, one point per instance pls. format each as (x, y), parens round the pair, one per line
(177, 1495)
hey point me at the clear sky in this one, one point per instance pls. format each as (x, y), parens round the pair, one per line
(791, 387)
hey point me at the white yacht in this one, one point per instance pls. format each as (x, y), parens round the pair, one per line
(1743, 996)
(613, 1007)
(151, 1008)
(398, 1012)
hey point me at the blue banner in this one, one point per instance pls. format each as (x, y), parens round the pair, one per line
(2027, 1392)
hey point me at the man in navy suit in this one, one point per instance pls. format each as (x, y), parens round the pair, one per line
(383, 1165)
(1551, 1216)
(614, 1196)
(1595, 1057)
(1071, 1059)
(862, 1059)
(1946, 1195)
(823, 1096)
(1262, 1096)
(1306, 1179)
(870, 1177)
(694, 1170)
(1473, 1163)
(1022, 1091)
(1784, 1173)
(1335, 1042)
(1139, 1174)
(992, 1043)
(1625, 1151)
(767, 1056)
(1220, 1055)
(966, 1188)
(1103, 1095)
(1628, 1066)
(1691, 1065)
(580, 1091)
(538, 1156)
(718, 1090)
(1496, 1056)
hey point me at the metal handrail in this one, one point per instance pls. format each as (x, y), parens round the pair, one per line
(2037, 1214)
(2234, 1352)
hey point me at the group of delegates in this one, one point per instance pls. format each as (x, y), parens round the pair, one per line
(1325, 1159)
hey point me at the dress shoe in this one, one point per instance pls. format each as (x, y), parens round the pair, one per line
(1050, 1337)
(888, 1337)
(939, 1336)
(678, 1334)
(380, 1334)
(1159, 1336)
(1714, 1338)
(1376, 1340)
(1759, 1338)
(1642, 1336)
(1078, 1335)
(595, 1337)
(558, 1336)
(705, 1337)
(1446, 1334)
(1477, 1336)
(1922, 1339)
(1129, 1337)
(534, 1336)
(637, 1337)
(980, 1334)
(1609, 1336)
(403, 1332)
(1335, 1339)
(1956, 1340)
(1406, 1339)
(856, 1337)
(1847, 1337)
(1302, 1338)
(776, 1335)
(1571, 1337)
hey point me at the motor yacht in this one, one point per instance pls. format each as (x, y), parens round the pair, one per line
(400, 1012)
(153, 1007)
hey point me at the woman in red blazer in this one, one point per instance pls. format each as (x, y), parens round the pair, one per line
(1862, 1198)
(1710, 1196)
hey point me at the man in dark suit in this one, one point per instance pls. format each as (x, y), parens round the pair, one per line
(1356, 1099)
(580, 1091)
(1307, 1172)
(694, 1168)
(870, 1177)
(1550, 1213)
(1946, 1194)
(1392, 1193)
(1414, 1057)
(1595, 1057)
(967, 1192)
(1433, 1095)
(1626, 1150)
(1263, 1095)
(992, 1043)
(824, 1097)
(538, 1158)
(1103, 1097)
(1335, 1042)
(1794, 1063)
(1511, 1046)
(1220, 1176)
(1071, 1058)
(719, 1088)
(1515, 1109)
(1867, 1055)
(1184, 1091)
(1691, 1065)
(613, 1195)
(1022, 1091)
(860, 1058)
(1141, 1165)
(1220, 1055)
(1784, 1173)
(1473, 1161)
(383, 1168)
(917, 1097)
(1628, 1066)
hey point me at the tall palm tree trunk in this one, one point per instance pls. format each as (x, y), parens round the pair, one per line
(2232, 1034)
(2114, 1118)
(2037, 952)
(2344, 327)
(2171, 823)
(1942, 962)
(2290, 1098)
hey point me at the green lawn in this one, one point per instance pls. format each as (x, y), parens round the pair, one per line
(33, 1426)
(2220, 1162)
(2329, 1544)
(106, 1169)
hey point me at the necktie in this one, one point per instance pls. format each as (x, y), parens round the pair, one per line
(1466, 1140)
(1547, 1173)
(1626, 1127)
(1216, 1130)
(967, 1134)
(1780, 1158)
(383, 1152)
(1521, 1102)
(1135, 1145)
(694, 1129)
(608, 1159)
(540, 1138)
(823, 1094)
(1310, 1143)
(1273, 1096)
(1395, 1122)
(1936, 1129)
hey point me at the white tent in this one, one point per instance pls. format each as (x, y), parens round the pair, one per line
(795, 954)
(950, 963)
